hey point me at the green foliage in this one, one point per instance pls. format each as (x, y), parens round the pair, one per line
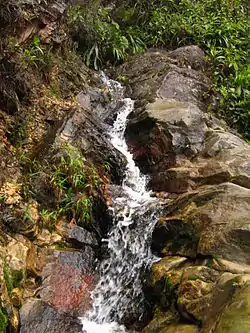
(49, 219)
(221, 28)
(8, 279)
(55, 89)
(75, 182)
(107, 167)
(78, 206)
(168, 286)
(17, 276)
(243, 284)
(13, 278)
(3, 320)
(70, 171)
(33, 54)
(27, 216)
(100, 38)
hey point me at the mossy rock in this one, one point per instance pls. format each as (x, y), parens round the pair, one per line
(236, 316)
(195, 292)
(160, 321)
(181, 328)
(162, 267)
(3, 320)
(13, 279)
(163, 283)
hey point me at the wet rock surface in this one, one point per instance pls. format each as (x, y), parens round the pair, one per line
(204, 168)
(48, 260)
(211, 221)
(37, 316)
(47, 271)
(57, 289)
(86, 132)
(67, 280)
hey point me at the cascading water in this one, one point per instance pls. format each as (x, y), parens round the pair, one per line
(119, 292)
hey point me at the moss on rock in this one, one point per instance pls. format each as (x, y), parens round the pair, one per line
(3, 320)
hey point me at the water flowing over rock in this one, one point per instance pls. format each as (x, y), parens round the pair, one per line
(175, 260)
(205, 170)
(86, 131)
(118, 296)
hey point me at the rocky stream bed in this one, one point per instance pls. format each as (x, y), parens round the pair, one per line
(184, 246)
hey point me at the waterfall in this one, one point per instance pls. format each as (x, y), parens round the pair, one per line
(119, 292)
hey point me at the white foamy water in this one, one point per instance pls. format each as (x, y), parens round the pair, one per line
(118, 294)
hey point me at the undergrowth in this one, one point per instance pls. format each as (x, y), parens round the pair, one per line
(110, 34)
(75, 184)
(100, 38)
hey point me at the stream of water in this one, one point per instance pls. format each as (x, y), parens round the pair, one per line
(118, 294)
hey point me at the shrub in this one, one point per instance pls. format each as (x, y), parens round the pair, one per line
(35, 55)
(76, 183)
(100, 38)
(221, 28)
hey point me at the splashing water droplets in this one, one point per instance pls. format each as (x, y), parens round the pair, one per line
(118, 294)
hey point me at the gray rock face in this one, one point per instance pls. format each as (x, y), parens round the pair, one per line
(175, 74)
(205, 169)
(80, 237)
(212, 221)
(85, 131)
(189, 56)
(37, 316)
(172, 139)
(67, 279)
(184, 84)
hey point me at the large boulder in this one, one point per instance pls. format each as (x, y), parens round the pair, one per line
(212, 300)
(235, 317)
(167, 75)
(37, 316)
(205, 169)
(195, 292)
(163, 135)
(229, 311)
(178, 290)
(182, 147)
(67, 280)
(63, 285)
(161, 289)
(212, 221)
(172, 137)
